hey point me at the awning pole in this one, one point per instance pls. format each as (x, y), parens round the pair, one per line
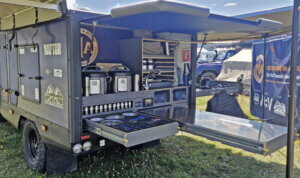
(193, 70)
(202, 45)
(292, 96)
(265, 36)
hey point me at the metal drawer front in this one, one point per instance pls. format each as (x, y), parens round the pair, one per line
(134, 134)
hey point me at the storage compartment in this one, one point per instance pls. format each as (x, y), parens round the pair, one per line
(153, 48)
(179, 94)
(152, 59)
(162, 96)
(30, 74)
(4, 71)
(130, 129)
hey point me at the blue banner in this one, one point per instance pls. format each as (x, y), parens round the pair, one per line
(270, 83)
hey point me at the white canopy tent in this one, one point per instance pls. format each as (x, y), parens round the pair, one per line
(237, 65)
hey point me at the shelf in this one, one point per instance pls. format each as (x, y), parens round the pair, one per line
(158, 57)
(164, 62)
(161, 80)
(163, 67)
(166, 75)
(146, 72)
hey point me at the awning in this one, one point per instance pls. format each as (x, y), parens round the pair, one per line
(283, 15)
(25, 12)
(165, 16)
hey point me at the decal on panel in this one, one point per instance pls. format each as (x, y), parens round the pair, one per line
(22, 90)
(47, 72)
(52, 49)
(4, 95)
(54, 97)
(280, 108)
(21, 51)
(258, 70)
(37, 94)
(88, 47)
(58, 73)
(33, 50)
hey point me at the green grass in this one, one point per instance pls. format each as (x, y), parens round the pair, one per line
(183, 155)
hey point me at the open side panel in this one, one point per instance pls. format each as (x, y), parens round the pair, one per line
(250, 135)
(3, 68)
(29, 72)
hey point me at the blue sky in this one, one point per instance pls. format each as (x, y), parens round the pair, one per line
(222, 7)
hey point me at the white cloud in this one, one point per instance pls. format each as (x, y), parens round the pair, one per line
(230, 4)
(214, 4)
(72, 4)
(118, 5)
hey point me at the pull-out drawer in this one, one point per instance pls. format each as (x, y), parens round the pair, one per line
(130, 129)
(250, 135)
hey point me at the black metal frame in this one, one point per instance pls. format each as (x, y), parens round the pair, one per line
(292, 92)
(194, 74)
(74, 68)
(264, 78)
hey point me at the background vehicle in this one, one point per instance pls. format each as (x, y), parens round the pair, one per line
(209, 68)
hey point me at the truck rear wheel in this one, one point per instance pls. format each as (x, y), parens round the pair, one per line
(207, 76)
(2, 119)
(34, 150)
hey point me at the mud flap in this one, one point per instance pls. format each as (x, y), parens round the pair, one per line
(59, 161)
(250, 135)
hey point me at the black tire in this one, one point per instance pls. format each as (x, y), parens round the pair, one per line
(207, 76)
(2, 119)
(34, 150)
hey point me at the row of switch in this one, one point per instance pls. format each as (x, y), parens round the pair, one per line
(107, 107)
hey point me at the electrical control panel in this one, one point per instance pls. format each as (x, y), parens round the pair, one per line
(131, 101)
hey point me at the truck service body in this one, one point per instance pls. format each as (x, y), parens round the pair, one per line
(52, 74)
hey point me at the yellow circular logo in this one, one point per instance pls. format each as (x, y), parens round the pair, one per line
(89, 47)
(258, 70)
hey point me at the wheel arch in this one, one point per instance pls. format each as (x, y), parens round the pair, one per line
(21, 122)
(205, 71)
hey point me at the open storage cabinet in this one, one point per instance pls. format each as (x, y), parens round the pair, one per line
(159, 51)
(171, 105)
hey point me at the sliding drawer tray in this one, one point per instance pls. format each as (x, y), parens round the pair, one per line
(130, 129)
(250, 135)
(220, 86)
